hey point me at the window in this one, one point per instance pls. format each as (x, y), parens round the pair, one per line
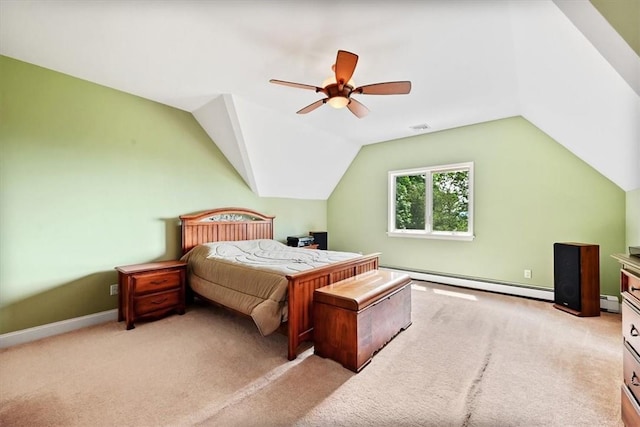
(432, 202)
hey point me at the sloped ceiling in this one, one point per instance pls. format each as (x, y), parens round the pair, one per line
(469, 62)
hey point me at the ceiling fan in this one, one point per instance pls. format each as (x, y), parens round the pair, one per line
(340, 87)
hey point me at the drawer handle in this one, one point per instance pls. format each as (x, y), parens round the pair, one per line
(634, 332)
(159, 301)
(158, 282)
(634, 379)
(633, 289)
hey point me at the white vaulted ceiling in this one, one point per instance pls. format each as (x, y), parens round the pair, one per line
(469, 62)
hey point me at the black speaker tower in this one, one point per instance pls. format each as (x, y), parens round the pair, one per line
(576, 278)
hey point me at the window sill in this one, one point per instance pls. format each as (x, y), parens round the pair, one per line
(438, 236)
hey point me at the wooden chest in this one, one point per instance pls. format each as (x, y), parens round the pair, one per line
(356, 317)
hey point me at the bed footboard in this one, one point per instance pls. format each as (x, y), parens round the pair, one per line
(301, 287)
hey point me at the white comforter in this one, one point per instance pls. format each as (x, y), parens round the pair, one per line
(249, 276)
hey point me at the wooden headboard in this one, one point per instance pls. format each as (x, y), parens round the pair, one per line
(224, 224)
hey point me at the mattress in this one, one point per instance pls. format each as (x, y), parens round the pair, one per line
(249, 276)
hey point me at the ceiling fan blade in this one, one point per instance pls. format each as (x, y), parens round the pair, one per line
(387, 88)
(345, 66)
(357, 108)
(312, 107)
(296, 85)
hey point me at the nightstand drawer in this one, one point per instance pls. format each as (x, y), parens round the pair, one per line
(150, 303)
(631, 371)
(629, 282)
(630, 323)
(156, 281)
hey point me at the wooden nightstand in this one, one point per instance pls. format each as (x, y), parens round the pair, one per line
(311, 246)
(150, 290)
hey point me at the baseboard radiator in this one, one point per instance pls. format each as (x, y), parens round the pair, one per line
(608, 303)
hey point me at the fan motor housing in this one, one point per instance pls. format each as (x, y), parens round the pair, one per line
(334, 90)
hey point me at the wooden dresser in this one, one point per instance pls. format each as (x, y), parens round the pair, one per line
(150, 290)
(630, 290)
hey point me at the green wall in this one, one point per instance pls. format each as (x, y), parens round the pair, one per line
(529, 193)
(92, 178)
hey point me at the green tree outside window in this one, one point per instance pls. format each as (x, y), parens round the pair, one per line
(432, 202)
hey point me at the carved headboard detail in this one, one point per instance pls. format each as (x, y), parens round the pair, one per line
(224, 224)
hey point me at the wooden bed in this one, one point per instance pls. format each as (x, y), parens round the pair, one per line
(233, 224)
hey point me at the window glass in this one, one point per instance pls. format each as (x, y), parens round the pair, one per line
(410, 202)
(451, 201)
(432, 202)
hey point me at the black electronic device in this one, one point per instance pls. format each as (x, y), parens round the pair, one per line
(299, 241)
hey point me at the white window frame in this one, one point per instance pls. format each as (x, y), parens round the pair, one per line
(428, 233)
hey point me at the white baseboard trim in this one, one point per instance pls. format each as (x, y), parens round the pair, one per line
(32, 334)
(607, 302)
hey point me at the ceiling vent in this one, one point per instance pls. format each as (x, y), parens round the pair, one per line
(419, 128)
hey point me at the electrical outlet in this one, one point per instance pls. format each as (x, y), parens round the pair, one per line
(527, 274)
(113, 289)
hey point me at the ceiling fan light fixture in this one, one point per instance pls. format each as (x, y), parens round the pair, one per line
(338, 102)
(339, 87)
(336, 97)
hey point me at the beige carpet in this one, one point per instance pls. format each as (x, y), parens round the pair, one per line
(469, 359)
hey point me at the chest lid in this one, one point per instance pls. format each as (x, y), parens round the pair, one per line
(358, 292)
